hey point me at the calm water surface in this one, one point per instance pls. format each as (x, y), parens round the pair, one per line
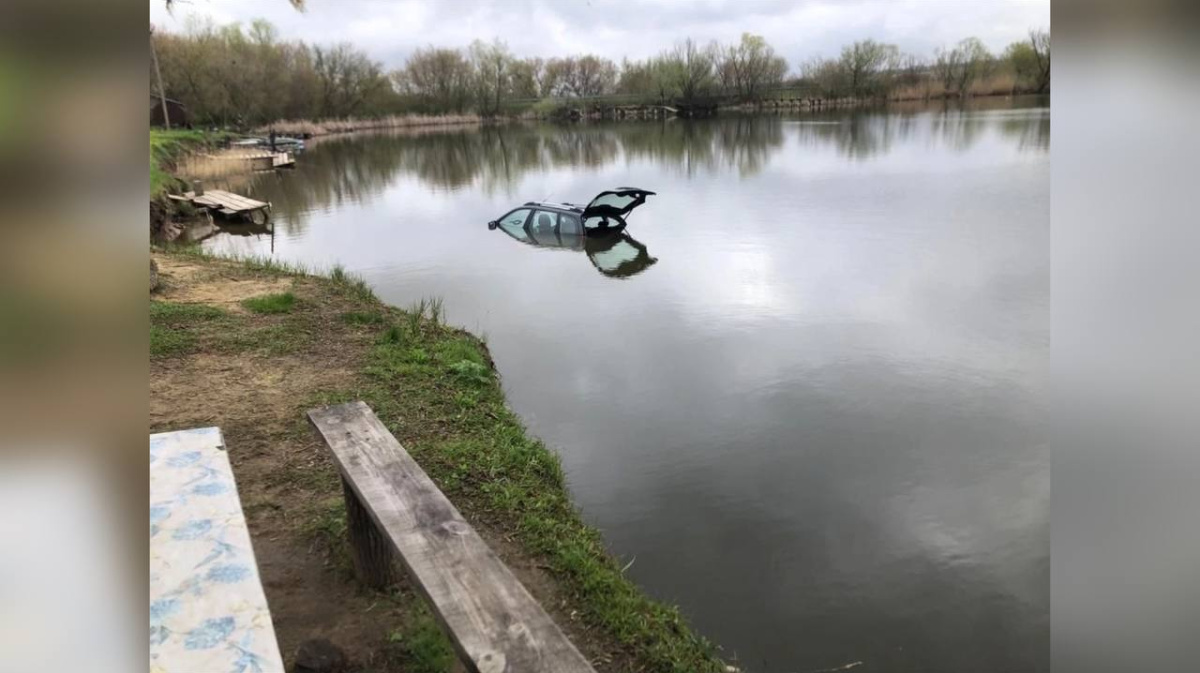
(811, 413)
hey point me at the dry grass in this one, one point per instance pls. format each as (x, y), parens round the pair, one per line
(327, 126)
(925, 91)
(1000, 84)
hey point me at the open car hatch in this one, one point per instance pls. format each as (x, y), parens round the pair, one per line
(616, 202)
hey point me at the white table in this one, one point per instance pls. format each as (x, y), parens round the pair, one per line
(208, 613)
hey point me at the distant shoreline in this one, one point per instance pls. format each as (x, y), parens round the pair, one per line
(600, 109)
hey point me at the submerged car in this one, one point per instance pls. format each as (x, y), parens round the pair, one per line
(606, 212)
(596, 229)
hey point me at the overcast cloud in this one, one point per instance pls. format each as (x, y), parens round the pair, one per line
(798, 29)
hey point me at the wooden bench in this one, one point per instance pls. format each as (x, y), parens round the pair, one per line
(393, 506)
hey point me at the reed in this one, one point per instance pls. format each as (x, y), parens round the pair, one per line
(348, 124)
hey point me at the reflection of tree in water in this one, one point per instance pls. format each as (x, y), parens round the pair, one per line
(864, 134)
(353, 168)
(740, 142)
(959, 125)
(747, 142)
(1030, 134)
(960, 129)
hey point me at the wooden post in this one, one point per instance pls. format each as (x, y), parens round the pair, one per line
(197, 188)
(371, 551)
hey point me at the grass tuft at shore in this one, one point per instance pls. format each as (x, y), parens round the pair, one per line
(271, 303)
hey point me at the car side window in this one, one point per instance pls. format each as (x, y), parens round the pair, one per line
(514, 223)
(568, 225)
(542, 227)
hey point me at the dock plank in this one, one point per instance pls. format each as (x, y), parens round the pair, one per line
(222, 200)
(493, 621)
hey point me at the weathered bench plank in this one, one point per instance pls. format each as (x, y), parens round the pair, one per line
(493, 621)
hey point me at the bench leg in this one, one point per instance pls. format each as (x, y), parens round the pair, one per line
(371, 551)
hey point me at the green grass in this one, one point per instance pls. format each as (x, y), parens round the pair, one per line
(425, 647)
(173, 326)
(271, 303)
(165, 148)
(290, 337)
(165, 342)
(362, 318)
(351, 284)
(173, 312)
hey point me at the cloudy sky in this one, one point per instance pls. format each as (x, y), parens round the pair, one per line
(389, 30)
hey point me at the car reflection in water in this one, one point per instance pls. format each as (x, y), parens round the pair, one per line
(597, 229)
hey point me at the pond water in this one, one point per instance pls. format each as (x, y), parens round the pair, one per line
(804, 398)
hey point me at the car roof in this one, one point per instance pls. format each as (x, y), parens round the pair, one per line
(564, 207)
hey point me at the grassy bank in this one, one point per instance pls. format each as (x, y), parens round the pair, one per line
(167, 147)
(250, 345)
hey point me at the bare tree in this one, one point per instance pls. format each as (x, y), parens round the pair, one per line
(751, 66)
(581, 76)
(958, 68)
(525, 77)
(637, 77)
(594, 76)
(441, 78)
(826, 75)
(865, 63)
(1040, 41)
(690, 68)
(491, 63)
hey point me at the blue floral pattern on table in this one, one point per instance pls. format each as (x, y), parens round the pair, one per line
(208, 613)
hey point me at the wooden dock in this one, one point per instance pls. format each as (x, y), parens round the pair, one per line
(227, 203)
(256, 160)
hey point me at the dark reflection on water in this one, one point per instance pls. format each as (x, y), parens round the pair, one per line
(614, 254)
(817, 421)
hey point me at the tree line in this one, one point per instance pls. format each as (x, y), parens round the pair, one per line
(235, 76)
(242, 76)
(870, 69)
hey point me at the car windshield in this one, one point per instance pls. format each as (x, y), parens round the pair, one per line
(513, 224)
